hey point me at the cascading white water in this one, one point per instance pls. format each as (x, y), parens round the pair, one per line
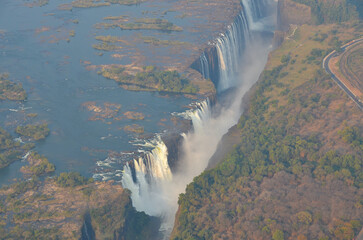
(254, 10)
(200, 113)
(156, 189)
(152, 171)
(230, 47)
(204, 65)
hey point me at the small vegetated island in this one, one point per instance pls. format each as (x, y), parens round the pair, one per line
(10, 150)
(36, 132)
(95, 3)
(38, 165)
(10, 90)
(149, 78)
(139, 24)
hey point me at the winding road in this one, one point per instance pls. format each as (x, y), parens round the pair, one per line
(340, 83)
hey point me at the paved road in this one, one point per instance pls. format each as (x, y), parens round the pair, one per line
(336, 79)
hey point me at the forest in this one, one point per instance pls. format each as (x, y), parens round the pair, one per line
(299, 147)
(334, 11)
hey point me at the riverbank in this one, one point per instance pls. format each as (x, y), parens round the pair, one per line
(89, 119)
(293, 145)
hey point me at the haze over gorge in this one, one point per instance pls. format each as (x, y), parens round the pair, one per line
(234, 60)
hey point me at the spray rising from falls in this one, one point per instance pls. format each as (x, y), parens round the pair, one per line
(230, 46)
(151, 171)
(155, 189)
(149, 176)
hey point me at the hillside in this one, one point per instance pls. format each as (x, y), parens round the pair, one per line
(295, 171)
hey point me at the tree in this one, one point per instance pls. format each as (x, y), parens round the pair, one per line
(278, 235)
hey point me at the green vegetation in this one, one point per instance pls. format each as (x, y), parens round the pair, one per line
(32, 115)
(22, 187)
(122, 17)
(37, 209)
(38, 3)
(36, 132)
(10, 90)
(156, 42)
(151, 78)
(72, 33)
(110, 39)
(10, 150)
(347, 230)
(134, 115)
(88, 4)
(290, 137)
(134, 128)
(38, 165)
(72, 179)
(142, 24)
(332, 11)
(106, 47)
(106, 221)
(126, 2)
(278, 235)
(96, 3)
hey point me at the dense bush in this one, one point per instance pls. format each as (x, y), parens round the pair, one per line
(72, 179)
(151, 77)
(333, 11)
(267, 147)
(37, 132)
(119, 219)
(38, 165)
(10, 150)
(10, 90)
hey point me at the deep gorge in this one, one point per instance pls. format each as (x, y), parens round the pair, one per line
(233, 61)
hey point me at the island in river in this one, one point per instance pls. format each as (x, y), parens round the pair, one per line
(60, 114)
(291, 167)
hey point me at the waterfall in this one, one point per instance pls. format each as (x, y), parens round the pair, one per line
(254, 10)
(199, 114)
(239, 61)
(230, 46)
(204, 66)
(152, 172)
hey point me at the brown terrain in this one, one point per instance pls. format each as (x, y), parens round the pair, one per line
(348, 67)
(49, 206)
(249, 192)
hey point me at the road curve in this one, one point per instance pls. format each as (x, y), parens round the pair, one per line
(336, 79)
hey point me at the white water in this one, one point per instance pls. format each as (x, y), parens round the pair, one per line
(230, 47)
(204, 66)
(156, 189)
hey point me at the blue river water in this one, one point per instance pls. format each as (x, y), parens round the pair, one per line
(34, 50)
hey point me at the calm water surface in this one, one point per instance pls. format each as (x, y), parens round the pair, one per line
(35, 52)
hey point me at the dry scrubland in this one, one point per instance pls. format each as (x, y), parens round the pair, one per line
(295, 171)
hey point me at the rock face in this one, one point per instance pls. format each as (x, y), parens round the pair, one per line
(210, 55)
(225, 146)
(44, 210)
(290, 12)
(251, 192)
(173, 142)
